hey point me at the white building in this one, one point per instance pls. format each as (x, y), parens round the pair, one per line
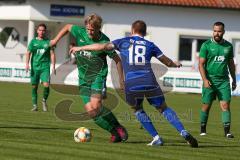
(177, 27)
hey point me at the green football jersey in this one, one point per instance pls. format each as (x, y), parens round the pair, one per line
(91, 64)
(40, 51)
(217, 57)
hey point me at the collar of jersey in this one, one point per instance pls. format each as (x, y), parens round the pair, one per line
(223, 40)
(137, 35)
(39, 39)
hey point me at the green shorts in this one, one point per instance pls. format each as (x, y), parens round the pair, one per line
(37, 75)
(220, 89)
(87, 89)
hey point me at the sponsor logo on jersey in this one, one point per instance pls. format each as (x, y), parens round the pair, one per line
(86, 54)
(219, 59)
(40, 51)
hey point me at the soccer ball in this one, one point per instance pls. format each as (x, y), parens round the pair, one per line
(82, 134)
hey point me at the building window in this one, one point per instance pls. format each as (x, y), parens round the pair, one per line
(189, 48)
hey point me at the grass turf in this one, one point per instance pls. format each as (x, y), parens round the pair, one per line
(38, 135)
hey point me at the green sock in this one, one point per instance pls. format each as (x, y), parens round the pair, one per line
(34, 96)
(226, 120)
(106, 120)
(203, 117)
(226, 117)
(109, 116)
(103, 123)
(45, 93)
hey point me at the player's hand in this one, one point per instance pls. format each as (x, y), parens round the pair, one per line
(73, 50)
(207, 83)
(27, 68)
(178, 64)
(53, 43)
(234, 85)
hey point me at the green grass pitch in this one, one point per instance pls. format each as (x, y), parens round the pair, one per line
(27, 135)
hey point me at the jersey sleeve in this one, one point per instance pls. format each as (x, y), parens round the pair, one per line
(117, 43)
(203, 51)
(76, 30)
(156, 52)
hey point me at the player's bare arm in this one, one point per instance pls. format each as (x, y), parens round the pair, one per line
(53, 61)
(118, 62)
(28, 55)
(63, 32)
(231, 66)
(93, 47)
(202, 71)
(168, 62)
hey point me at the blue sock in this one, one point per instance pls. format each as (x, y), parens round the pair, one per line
(146, 122)
(172, 118)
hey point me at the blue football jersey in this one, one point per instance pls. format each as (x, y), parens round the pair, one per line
(136, 53)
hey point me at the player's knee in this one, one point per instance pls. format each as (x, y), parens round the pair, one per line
(224, 106)
(46, 84)
(92, 110)
(206, 107)
(96, 105)
(96, 101)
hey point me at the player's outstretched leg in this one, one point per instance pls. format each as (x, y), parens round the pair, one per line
(173, 119)
(146, 122)
(111, 118)
(101, 115)
(106, 120)
(100, 120)
(189, 138)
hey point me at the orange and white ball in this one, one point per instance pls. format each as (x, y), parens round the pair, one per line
(82, 134)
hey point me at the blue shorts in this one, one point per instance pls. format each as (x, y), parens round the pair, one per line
(153, 93)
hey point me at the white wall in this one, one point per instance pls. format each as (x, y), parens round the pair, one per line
(17, 12)
(165, 24)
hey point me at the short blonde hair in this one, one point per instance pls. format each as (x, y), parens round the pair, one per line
(94, 20)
